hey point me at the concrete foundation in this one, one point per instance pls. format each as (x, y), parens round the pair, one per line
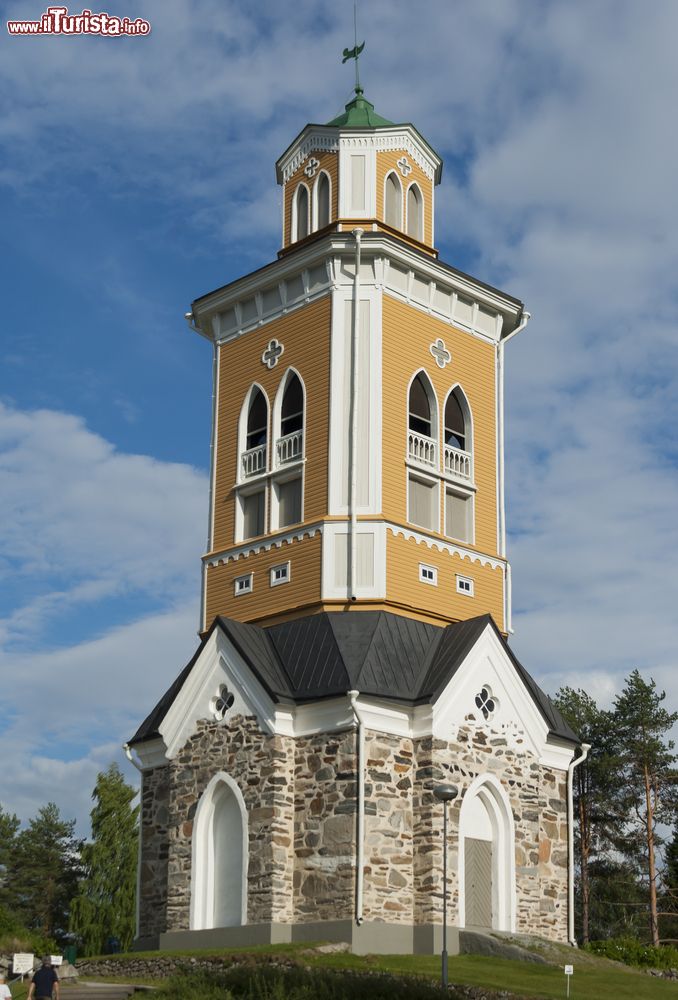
(371, 937)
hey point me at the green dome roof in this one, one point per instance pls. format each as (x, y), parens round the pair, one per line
(359, 113)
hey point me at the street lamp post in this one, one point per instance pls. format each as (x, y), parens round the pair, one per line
(445, 794)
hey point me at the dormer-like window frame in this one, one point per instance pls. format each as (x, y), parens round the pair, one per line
(458, 436)
(253, 434)
(301, 213)
(322, 201)
(422, 420)
(393, 201)
(289, 432)
(414, 212)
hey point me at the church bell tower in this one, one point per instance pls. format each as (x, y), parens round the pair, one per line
(357, 438)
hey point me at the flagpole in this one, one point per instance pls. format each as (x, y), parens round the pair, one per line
(355, 35)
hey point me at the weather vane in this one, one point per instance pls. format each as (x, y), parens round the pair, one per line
(356, 50)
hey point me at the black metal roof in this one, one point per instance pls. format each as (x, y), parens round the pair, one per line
(375, 652)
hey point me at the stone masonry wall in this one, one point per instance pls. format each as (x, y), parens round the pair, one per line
(262, 767)
(325, 817)
(388, 886)
(154, 852)
(300, 797)
(537, 798)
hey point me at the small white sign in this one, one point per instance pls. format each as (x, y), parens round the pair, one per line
(569, 970)
(22, 962)
(56, 959)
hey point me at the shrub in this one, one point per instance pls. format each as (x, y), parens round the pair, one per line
(634, 952)
(247, 982)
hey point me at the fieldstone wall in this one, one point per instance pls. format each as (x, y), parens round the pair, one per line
(262, 766)
(154, 852)
(389, 881)
(325, 826)
(537, 797)
(300, 797)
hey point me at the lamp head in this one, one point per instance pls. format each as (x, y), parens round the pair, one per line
(446, 793)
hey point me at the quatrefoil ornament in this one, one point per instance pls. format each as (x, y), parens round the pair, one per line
(311, 167)
(404, 166)
(222, 701)
(486, 702)
(272, 354)
(440, 352)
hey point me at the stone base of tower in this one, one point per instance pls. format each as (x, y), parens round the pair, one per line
(368, 938)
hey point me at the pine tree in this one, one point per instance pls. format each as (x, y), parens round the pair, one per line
(596, 803)
(42, 872)
(105, 904)
(9, 825)
(650, 788)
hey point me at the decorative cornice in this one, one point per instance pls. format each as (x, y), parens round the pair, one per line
(385, 140)
(437, 543)
(263, 545)
(377, 246)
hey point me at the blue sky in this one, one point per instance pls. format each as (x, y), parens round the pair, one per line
(137, 174)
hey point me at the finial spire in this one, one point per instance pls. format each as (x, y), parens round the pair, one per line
(354, 53)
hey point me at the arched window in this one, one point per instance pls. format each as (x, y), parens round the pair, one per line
(253, 434)
(219, 862)
(393, 202)
(458, 438)
(415, 213)
(301, 212)
(257, 420)
(322, 194)
(455, 424)
(292, 411)
(420, 408)
(422, 422)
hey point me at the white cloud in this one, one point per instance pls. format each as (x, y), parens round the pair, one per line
(103, 537)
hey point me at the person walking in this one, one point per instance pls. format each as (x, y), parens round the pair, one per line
(45, 982)
(5, 993)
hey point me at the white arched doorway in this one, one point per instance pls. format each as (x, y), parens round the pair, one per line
(220, 857)
(487, 878)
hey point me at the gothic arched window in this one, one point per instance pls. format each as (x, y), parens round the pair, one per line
(419, 419)
(455, 424)
(301, 212)
(415, 213)
(322, 194)
(393, 202)
(257, 420)
(292, 410)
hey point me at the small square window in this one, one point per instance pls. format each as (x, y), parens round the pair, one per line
(428, 574)
(280, 574)
(465, 585)
(243, 584)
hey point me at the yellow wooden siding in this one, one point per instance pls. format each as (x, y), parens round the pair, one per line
(329, 162)
(403, 586)
(303, 588)
(407, 336)
(387, 161)
(305, 335)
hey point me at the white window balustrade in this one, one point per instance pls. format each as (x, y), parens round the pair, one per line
(253, 461)
(422, 449)
(290, 447)
(458, 463)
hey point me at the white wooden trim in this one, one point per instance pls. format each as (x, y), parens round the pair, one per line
(202, 854)
(490, 791)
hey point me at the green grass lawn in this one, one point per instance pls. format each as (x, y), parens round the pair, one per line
(593, 979)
